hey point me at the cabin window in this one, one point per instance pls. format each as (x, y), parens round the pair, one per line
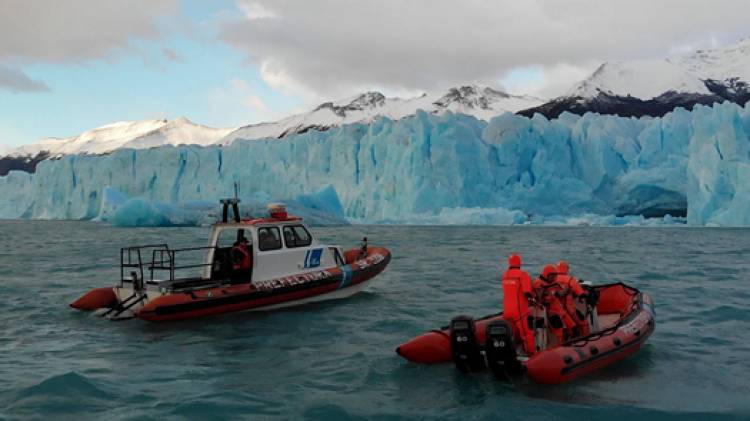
(269, 239)
(228, 238)
(297, 236)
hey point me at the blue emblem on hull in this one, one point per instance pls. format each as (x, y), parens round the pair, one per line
(312, 258)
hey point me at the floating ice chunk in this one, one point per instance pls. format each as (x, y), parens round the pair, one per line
(469, 216)
(138, 212)
(612, 220)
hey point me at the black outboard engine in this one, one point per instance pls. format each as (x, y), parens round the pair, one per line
(464, 345)
(501, 351)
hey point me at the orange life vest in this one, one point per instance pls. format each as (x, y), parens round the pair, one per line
(241, 257)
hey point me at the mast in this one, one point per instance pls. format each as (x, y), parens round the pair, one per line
(234, 201)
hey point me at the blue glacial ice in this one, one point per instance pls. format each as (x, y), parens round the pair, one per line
(118, 209)
(445, 169)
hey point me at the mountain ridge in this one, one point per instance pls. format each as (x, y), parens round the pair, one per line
(639, 88)
(633, 88)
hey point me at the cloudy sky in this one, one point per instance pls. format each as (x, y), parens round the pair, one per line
(71, 65)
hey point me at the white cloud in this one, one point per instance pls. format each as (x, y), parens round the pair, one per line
(17, 81)
(547, 81)
(255, 103)
(278, 78)
(237, 102)
(254, 10)
(71, 31)
(331, 47)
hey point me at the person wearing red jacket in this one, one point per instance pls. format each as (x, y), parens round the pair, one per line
(550, 293)
(517, 295)
(573, 291)
(242, 261)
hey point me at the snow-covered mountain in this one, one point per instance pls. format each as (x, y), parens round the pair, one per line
(111, 137)
(642, 79)
(479, 101)
(126, 134)
(655, 87)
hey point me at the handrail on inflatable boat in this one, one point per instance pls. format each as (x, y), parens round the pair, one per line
(634, 307)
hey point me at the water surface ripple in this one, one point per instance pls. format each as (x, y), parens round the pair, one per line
(335, 360)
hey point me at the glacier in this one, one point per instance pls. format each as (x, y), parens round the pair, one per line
(449, 168)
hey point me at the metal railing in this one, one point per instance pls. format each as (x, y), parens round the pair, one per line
(165, 260)
(162, 259)
(131, 257)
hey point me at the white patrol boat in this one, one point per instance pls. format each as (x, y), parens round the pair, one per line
(252, 264)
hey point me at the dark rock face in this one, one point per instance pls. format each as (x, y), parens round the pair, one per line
(303, 129)
(361, 102)
(24, 163)
(624, 106)
(470, 97)
(733, 90)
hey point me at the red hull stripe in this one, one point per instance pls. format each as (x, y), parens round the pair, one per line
(330, 281)
(244, 298)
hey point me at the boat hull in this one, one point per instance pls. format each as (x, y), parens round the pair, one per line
(335, 283)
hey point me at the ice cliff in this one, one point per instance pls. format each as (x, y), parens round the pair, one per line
(440, 168)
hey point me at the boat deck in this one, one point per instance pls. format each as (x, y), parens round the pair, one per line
(608, 320)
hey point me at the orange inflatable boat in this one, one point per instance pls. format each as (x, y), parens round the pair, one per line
(621, 322)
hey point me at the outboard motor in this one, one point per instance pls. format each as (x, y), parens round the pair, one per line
(464, 345)
(501, 351)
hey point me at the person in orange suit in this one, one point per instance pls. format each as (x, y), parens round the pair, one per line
(550, 294)
(573, 291)
(517, 295)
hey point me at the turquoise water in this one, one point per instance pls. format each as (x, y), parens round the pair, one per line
(335, 360)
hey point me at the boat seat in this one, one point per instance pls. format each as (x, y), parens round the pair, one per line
(157, 281)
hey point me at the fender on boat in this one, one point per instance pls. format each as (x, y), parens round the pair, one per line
(95, 299)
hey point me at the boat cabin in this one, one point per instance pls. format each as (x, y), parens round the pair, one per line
(238, 251)
(278, 246)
